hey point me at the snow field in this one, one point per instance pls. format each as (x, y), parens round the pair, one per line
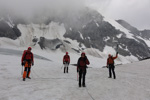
(48, 81)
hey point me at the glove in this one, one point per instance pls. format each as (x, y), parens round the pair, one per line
(78, 70)
(32, 64)
(107, 66)
(22, 64)
(85, 58)
(117, 53)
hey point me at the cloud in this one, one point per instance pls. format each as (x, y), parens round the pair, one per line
(28, 7)
(136, 12)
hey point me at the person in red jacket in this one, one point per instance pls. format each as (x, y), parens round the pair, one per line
(26, 61)
(81, 68)
(66, 62)
(110, 65)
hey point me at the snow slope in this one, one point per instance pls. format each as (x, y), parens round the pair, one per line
(119, 27)
(50, 83)
(55, 30)
(51, 31)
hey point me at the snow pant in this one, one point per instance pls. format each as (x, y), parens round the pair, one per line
(66, 67)
(27, 68)
(112, 68)
(82, 74)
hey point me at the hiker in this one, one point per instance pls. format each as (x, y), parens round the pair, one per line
(66, 62)
(27, 61)
(110, 65)
(81, 68)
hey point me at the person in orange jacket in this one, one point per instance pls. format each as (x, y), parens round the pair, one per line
(110, 65)
(26, 61)
(81, 68)
(66, 62)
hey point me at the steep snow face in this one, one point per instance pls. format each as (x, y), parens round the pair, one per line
(119, 27)
(147, 41)
(54, 32)
(123, 60)
(51, 31)
(89, 32)
(53, 37)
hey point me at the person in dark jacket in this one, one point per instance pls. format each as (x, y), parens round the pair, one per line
(110, 65)
(81, 68)
(26, 61)
(66, 62)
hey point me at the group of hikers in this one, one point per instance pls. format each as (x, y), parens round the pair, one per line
(28, 60)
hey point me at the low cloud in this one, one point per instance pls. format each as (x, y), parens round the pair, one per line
(27, 8)
(136, 12)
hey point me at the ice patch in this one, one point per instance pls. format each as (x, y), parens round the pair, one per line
(81, 35)
(106, 39)
(119, 35)
(97, 24)
(52, 31)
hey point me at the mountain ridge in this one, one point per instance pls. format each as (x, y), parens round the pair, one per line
(89, 29)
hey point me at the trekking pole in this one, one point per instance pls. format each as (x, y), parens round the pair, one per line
(117, 49)
(22, 71)
(62, 66)
(77, 76)
(31, 70)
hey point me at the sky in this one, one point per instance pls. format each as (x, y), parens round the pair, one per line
(135, 12)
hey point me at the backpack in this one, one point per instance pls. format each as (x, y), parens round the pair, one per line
(25, 52)
(66, 58)
(111, 59)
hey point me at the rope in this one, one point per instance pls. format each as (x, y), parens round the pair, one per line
(38, 77)
(35, 74)
(55, 78)
(89, 94)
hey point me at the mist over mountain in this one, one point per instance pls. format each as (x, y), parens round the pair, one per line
(92, 32)
(132, 29)
(145, 34)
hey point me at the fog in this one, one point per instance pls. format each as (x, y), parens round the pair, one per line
(136, 12)
(28, 8)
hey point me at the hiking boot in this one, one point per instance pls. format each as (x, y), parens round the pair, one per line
(23, 79)
(84, 85)
(79, 85)
(29, 77)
